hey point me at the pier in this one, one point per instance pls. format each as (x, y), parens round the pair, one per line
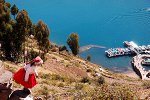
(141, 54)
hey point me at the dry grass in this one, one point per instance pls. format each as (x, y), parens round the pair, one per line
(146, 84)
(72, 78)
(10, 67)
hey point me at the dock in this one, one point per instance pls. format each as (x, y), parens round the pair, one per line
(142, 53)
(131, 48)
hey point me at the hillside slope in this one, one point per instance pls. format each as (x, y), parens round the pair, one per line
(64, 76)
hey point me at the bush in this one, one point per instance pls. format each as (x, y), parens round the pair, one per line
(62, 48)
(85, 80)
(88, 70)
(88, 58)
(101, 80)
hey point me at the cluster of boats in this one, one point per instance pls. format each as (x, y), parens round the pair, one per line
(143, 49)
(113, 52)
(131, 48)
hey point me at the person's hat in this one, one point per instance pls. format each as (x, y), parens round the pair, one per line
(38, 60)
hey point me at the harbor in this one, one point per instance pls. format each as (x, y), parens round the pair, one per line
(130, 49)
(141, 57)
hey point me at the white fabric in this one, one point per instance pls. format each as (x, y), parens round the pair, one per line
(29, 70)
(27, 98)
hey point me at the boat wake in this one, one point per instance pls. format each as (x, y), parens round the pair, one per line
(147, 9)
(141, 13)
(87, 47)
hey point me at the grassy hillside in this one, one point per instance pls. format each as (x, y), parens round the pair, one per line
(66, 77)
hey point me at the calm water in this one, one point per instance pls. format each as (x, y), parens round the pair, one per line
(100, 22)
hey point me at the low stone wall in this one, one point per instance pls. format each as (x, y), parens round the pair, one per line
(138, 68)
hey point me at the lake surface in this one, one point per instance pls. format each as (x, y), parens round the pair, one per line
(100, 22)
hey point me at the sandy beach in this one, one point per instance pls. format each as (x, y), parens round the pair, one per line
(131, 74)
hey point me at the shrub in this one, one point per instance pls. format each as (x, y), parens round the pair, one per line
(88, 70)
(85, 80)
(89, 58)
(62, 48)
(101, 80)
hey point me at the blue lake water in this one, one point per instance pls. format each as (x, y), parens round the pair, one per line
(99, 22)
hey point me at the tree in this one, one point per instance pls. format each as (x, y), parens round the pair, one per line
(73, 42)
(2, 1)
(23, 29)
(15, 32)
(14, 10)
(42, 31)
(42, 35)
(6, 29)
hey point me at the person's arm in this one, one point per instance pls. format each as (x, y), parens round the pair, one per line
(35, 72)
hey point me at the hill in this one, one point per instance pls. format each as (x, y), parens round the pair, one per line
(66, 77)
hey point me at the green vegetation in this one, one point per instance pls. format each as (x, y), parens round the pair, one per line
(42, 35)
(33, 54)
(15, 32)
(101, 80)
(85, 80)
(73, 42)
(89, 58)
(14, 10)
(62, 48)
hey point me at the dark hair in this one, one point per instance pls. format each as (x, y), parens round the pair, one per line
(32, 63)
